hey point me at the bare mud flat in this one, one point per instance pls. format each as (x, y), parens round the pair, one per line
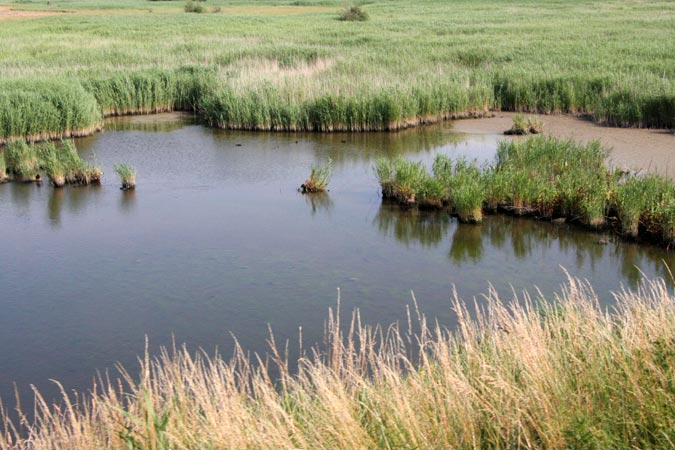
(651, 150)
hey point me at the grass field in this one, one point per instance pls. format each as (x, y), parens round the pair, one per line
(529, 374)
(289, 65)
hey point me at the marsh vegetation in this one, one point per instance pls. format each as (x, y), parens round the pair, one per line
(61, 163)
(127, 176)
(318, 179)
(544, 178)
(300, 69)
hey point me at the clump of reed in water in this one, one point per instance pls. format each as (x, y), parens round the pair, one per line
(464, 187)
(61, 163)
(78, 171)
(127, 176)
(522, 126)
(545, 178)
(318, 178)
(53, 165)
(22, 161)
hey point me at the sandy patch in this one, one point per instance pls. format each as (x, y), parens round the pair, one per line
(633, 148)
(7, 13)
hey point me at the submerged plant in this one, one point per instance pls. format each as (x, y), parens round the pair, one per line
(318, 178)
(127, 175)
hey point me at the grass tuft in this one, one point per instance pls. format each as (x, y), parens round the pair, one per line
(193, 7)
(127, 176)
(318, 178)
(353, 13)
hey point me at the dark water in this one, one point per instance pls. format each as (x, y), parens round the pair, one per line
(216, 240)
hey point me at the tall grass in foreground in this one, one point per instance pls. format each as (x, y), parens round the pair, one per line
(527, 374)
(545, 178)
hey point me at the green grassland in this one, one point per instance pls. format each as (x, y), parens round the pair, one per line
(287, 65)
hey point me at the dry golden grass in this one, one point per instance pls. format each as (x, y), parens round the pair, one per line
(525, 374)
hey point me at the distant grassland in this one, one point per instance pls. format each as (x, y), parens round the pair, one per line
(292, 66)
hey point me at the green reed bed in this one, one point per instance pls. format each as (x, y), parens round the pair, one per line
(545, 178)
(529, 373)
(23, 163)
(61, 163)
(283, 65)
(35, 110)
(151, 91)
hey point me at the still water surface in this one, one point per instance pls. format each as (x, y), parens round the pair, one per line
(217, 241)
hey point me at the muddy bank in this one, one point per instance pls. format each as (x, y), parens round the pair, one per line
(7, 13)
(649, 150)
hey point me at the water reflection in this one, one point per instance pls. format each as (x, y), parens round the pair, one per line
(319, 202)
(467, 244)
(150, 123)
(410, 226)
(21, 195)
(127, 201)
(523, 239)
(54, 206)
(345, 149)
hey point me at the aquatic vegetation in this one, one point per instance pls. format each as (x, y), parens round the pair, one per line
(535, 125)
(536, 374)
(408, 177)
(544, 178)
(384, 171)
(22, 161)
(519, 127)
(127, 176)
(430, 192)
(53, 164)
(61, 163)
(318, 178)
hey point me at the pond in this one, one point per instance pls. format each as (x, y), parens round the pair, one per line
(216, 241)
